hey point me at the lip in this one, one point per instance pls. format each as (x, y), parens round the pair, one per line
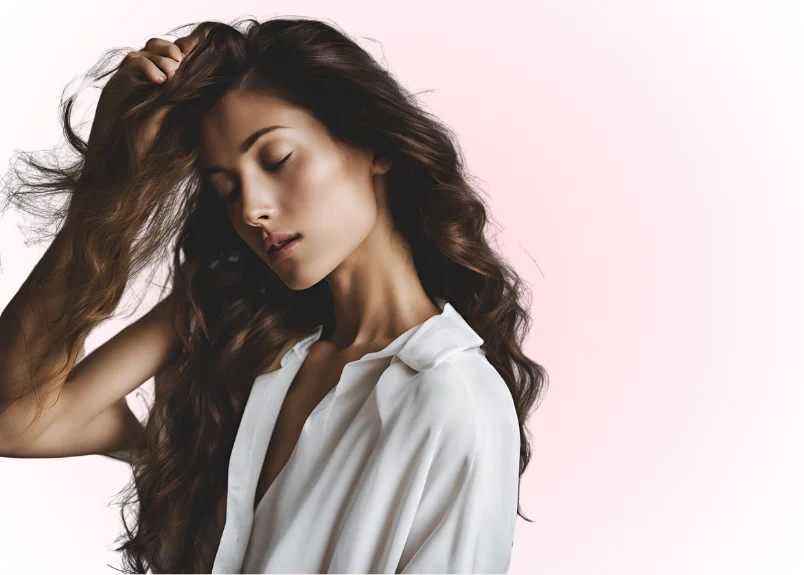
(285, 251)
(276, 237)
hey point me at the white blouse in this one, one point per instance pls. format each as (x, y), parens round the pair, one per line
(410, 464)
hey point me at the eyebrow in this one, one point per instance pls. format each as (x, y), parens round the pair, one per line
(243, 147)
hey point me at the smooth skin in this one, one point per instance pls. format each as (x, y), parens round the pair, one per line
(335, 196)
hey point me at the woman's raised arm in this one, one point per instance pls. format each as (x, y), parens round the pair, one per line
(87, 416)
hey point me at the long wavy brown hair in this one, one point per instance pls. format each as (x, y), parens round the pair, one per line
(233, 314)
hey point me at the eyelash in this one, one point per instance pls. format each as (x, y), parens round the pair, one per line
(280, 164)
(272, 168)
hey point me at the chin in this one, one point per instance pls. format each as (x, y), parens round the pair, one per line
(299, 286)
(298, 281)
(302, 275)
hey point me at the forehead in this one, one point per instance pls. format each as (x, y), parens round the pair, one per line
(237, 114)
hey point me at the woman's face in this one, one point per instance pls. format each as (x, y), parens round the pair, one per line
(293, 178)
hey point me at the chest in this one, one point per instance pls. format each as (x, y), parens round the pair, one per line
(311, 384)
(315, 378)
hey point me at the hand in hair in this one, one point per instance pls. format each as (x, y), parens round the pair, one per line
(157, 61)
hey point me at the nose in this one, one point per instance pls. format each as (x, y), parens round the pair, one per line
(256, 201)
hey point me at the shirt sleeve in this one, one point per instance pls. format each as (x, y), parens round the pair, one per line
(465, 519)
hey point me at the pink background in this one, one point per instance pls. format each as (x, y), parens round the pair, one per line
(644, 162)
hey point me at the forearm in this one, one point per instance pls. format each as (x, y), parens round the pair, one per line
(30, 316)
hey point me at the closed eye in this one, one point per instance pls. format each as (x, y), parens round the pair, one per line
(232, 196)
(280, 164)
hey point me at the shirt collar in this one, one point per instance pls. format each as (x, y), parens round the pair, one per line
(423, 347)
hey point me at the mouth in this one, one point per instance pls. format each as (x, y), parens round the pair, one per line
(284, 249)
(279, 245)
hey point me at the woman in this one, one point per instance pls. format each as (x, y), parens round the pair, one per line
(340, 385)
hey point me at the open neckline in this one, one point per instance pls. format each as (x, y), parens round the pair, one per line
(299, 360)
(300, 352)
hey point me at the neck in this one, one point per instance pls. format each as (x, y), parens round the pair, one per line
(377, 294)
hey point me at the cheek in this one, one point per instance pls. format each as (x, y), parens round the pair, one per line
(336, 206)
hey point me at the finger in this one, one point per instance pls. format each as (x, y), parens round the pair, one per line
(150, 70)
(185, 44)
(164, 48)
(166, 65)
